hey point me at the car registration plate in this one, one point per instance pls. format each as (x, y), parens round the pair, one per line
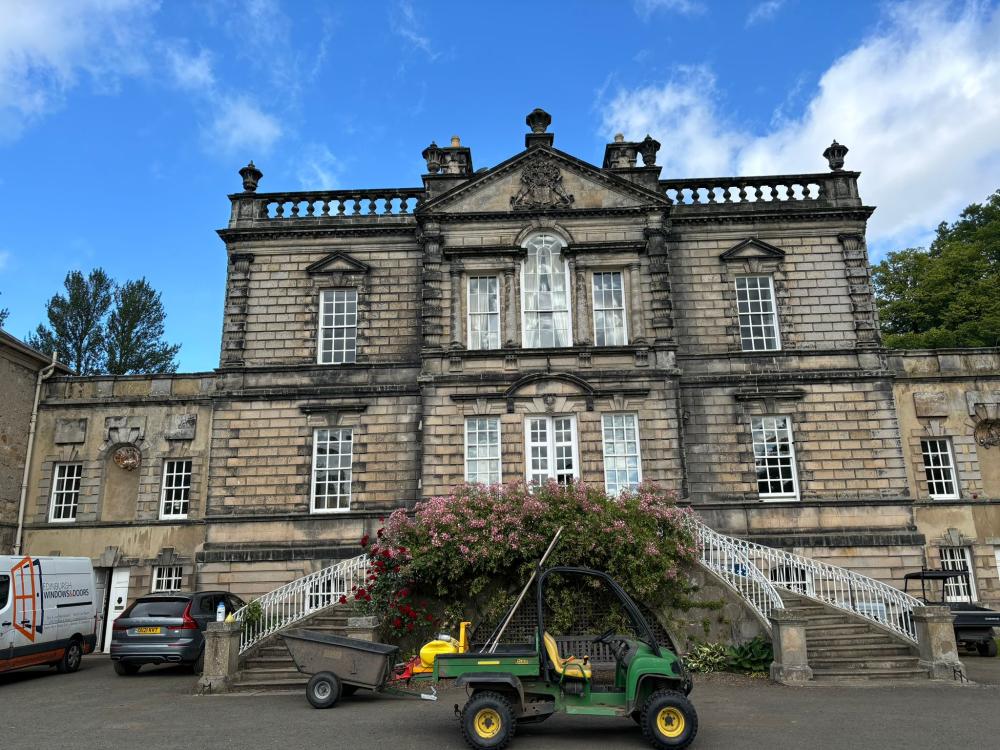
(147, 631)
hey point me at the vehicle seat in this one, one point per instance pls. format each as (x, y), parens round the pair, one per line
(570, 667)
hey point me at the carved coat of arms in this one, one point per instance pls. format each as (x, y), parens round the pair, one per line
(541, 187)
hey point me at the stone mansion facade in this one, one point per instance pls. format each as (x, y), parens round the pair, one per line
(544, 318)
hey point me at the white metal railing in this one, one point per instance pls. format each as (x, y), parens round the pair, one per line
(758, 572)
(297, 600)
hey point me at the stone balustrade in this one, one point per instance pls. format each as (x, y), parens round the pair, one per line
(254, 209)
(764, 192)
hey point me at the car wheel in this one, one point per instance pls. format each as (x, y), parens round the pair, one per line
(488, 721)
(987, 648)
(71, 659)
(124, 669)
(198, 665)
(668, 720)
(323, 690)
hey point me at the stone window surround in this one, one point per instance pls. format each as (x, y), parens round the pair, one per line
(333, 416)
(358, 280)
(761, 402)
(773, 267)
(964, 454)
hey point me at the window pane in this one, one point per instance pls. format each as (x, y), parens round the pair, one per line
(484, 312)
(939, 468)
(551, 449)
(757, 314)
(175, 494)
(545, 294)
(609, 309)
(621, 452)
(66, 491)
(482, 450)
(331, 475)
(957, 589)
(338, 322)
(774, 460)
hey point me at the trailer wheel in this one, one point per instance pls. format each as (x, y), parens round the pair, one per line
(987, 648)
(323, 690)
(668, 720)
(488, 721)
(347, 691)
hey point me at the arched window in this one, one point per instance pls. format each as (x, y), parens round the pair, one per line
(545, 294)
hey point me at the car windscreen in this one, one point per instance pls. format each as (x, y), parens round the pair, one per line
(159, 607)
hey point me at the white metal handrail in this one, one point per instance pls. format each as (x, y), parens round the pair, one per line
(302, 597)
(742, 564)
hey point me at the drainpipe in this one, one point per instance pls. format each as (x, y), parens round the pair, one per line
(42, 375)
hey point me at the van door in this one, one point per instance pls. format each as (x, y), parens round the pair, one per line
(6, 621)
(116, 602)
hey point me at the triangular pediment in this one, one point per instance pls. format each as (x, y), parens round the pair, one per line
(753, 248)
(539, 179)
(338, 262)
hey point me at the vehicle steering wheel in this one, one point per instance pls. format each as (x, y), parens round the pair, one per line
(604, 638)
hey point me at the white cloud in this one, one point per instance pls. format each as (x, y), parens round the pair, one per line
(192, 72)
(4, 259)
(645, 8)
(46, 47)
(764, 11)
(241, 127)
(318, 169)
(916, 102)
(404, 22)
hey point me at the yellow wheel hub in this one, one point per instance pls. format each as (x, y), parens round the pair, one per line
(670, 722)
(487, 723)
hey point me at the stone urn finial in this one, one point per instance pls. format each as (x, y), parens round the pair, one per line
(835, 154)
(433, 156)
(251, 176)
(538, 120)
(648, 149)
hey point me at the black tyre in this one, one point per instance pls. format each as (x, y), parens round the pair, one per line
(347, 691)
(71, 658)
(198, 665)
(488, 721)
(987, 648)
(668, 720)
(323, 690)
(124, 669)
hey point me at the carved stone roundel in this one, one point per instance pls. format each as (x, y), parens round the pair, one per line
(988, 433)
(127, 457)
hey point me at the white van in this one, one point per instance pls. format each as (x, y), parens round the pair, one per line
(48, 612)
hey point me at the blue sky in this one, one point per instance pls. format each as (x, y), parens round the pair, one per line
(123, 122)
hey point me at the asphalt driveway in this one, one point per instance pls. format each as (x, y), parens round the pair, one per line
(95, 708)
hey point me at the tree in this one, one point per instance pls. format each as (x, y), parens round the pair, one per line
(4, 312)
(76, 322)
(947, 295)
(100, 327)
(135, 332)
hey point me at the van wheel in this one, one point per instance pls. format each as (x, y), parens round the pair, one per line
(71, 659)
(323, 690)
(668, 721)
(488, 721)
(124, 669)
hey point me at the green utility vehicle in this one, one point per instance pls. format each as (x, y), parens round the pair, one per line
(511, 685)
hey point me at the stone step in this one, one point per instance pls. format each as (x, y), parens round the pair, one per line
(867, 675)
(277, 686)
(266, 662)
(262, 674)
(827, 630)
(872, 663)
(849, 639)
(862, 651)
(815, 620)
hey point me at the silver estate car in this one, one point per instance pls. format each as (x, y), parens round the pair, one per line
(166, 628)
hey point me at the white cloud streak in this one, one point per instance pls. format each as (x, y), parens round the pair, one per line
(404, 22)
(318, 168)
(646, 8)
(764, 11)
(916, 102)
(240, 125)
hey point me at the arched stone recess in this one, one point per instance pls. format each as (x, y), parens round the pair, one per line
(550, 393)
(542, 226)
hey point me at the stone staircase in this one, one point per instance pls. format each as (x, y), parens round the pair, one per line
(845, 649)
(269, 666)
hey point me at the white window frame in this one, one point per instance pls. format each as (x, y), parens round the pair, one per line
(469, 314)
(774, 315)
(185, 489)
(624, 307)
(618, 487)
(953, 560)
(321, 329)
(524, 292)
(498, 459)
(776, 496)
(550, 445)
(59, 490)
(165, 575)
(350, 470)
(949, 453)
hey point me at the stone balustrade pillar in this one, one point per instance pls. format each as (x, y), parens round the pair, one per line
(363, 628)
(788, 638)
(936, 644)
(222, 656)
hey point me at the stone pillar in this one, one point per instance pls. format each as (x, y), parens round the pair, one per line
(510, 313)
(363, 628)
(578, 277)
(222, 655)
(455, 270)
(636, 326)
(788, 637)
(936, 641)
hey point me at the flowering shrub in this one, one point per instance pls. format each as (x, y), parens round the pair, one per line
(470, 552)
